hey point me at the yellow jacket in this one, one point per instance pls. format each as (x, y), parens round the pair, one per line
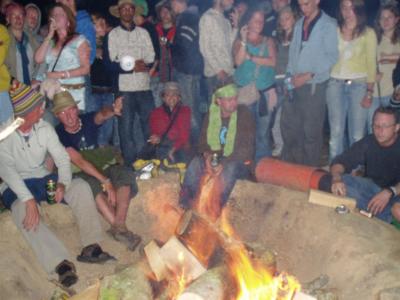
(4, 44)
(357, 58)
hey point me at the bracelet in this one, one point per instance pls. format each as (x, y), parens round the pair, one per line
(103, 184)
(243, 43)
(67, 74)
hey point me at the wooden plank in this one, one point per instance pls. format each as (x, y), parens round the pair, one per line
(331, 200)
(155, 260)
(179, 259)
(302, 296)
(91, 293)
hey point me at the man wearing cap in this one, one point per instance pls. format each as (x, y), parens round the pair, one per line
(170, 125)
(112, 185)
(23, 169)
(221, 135)
(128, 40)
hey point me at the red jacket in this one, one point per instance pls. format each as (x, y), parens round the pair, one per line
(180, 131)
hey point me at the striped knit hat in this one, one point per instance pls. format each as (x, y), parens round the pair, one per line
(24, 98)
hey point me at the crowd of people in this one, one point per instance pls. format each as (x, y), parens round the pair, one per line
(216, 91)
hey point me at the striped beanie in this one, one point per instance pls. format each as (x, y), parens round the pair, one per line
(24, 98)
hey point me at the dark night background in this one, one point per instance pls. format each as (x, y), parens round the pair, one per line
(330, 6)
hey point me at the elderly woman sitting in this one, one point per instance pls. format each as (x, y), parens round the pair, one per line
(170, 125)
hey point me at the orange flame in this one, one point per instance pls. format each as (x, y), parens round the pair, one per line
(181, 280)
(254, 281)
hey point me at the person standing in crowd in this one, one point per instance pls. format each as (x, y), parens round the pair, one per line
(112, 185)
(3, 5)
(166, 31)
(65, 53)
(6, 111)
(102, 83)
(255, 58)
(271, 20)
(127, 41)
(20, 58)
(187, 60)
(388, 53)
(170, 125)
(286, 20)
(350, 88)
(312, 53)
(229, 133)
(216, 39)
(23, 169)
(141, 19)
(83, 22)
(33, 19)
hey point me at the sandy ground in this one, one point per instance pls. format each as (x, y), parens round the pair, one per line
(361, 256)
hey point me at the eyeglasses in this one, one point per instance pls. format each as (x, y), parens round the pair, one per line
(383, 126)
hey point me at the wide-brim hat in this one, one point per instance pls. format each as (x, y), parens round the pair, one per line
(24, 98)
(141, 7)
(62, 101)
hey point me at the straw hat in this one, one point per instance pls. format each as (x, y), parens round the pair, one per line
(141, 7)
(24, 98)
(61, 101)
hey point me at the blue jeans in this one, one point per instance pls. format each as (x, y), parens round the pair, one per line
(140, 103)
(376, 102)
(6, 111)
(231, 172)
(344, 105)
(363, 190)
(37, 187)
(263, 130)
(190, 89)
(97, 102)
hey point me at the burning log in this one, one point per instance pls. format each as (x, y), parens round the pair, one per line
(211, 285)
(199, 235)
(178, 259)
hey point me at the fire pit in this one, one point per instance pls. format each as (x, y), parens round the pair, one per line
(358, 255)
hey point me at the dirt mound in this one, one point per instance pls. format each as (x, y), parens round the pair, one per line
(359, 255)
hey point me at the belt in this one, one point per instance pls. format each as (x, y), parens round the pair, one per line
(350, 81)
(75, 86)
(101, 89)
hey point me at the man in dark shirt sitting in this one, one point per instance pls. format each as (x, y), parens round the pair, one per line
(113, 185)
(229, 132)
(379, 155)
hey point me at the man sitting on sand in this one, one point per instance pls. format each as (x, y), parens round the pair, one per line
(23, 169)
(379, 155)
(113, 185)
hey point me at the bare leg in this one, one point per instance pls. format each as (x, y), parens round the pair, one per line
(123, 200)
(106, 210)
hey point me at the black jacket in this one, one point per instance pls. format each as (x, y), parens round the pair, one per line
(185, 50)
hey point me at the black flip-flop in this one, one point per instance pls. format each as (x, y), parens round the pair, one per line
(95, 255)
